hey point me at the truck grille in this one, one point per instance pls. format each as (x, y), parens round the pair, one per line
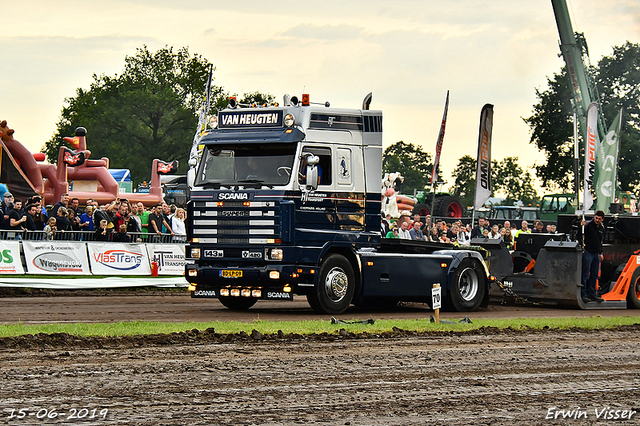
(233, 222)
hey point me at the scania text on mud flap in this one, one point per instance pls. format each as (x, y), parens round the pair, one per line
(287, 199)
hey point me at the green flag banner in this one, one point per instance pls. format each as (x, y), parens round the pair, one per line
(607, 166)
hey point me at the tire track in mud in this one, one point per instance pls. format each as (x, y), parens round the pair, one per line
(459, 379)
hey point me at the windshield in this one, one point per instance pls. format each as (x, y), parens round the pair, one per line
(249, 164)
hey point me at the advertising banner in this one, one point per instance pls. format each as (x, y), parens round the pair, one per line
(170, 258)
(443, 125)
(10, 262)
(590, 155)
(483, 169)
(607, 166)
(56, 257)
(118, 259)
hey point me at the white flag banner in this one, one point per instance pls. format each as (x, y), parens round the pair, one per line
(10, 262)
(590, 155)
(483, 171)
(118, 259)
(56, 257)
(170, 258)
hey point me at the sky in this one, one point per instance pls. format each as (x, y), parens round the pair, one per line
(407, 53)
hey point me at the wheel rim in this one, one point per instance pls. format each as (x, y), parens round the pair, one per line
(469, 284)
(636, 288)
(336, 284)
(454, 210)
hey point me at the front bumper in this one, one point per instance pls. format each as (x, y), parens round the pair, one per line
(272, 282)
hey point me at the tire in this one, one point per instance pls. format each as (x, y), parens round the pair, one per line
(422, 210)
(238, 303)
(633, 295)
(468, 287)
(447, 206)
(336, 286)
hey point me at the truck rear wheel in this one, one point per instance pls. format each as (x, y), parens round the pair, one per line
(335, 288)
(467, 287)
(238, 303)
(633, 295)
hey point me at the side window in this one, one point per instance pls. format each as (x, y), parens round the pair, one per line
(324, 166)
(344, 166)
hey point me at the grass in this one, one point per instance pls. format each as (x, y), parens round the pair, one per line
(308, 327)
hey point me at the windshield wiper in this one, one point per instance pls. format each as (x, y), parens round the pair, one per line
(214, 185)
(258, 182)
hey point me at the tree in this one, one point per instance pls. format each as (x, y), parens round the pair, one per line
(464, 176)
(411, 162)
(552, 132)
(617, 79)
(507, 178)
(147, 112)
(514, 183)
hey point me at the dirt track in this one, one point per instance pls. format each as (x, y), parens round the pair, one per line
(499, 378)
(174, 306)
(201, 378)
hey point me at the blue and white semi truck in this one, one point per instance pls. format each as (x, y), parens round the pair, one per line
(286, 201)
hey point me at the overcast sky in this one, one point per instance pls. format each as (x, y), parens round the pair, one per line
(408, 53)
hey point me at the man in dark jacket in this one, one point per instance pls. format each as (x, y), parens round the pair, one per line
(591, 239)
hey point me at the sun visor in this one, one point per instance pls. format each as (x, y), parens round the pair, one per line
(253, 136)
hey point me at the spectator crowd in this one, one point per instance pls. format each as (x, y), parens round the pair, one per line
(456, 232)
(118, 220)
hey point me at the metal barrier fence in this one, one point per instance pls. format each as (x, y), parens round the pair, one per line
(135, 237)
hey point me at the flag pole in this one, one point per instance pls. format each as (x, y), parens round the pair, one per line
(436, 162)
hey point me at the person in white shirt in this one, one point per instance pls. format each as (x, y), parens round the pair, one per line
(403, 233)
(177, 224)
(495, 232)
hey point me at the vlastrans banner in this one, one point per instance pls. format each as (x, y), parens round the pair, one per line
(118, 259)
(56, 257)
(170, 258)
(590, 155)
(606, 174)
(443, 126)
(10, 262)
(483, 170)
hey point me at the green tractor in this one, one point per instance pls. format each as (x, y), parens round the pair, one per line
(445, 205)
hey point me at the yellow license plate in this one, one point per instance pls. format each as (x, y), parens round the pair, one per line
(230, 273)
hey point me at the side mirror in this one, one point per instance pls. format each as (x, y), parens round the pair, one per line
(312, 171)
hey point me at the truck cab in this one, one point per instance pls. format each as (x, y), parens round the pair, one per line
(277, 190)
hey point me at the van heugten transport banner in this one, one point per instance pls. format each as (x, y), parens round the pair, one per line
(10, 262)
(170, 258)
(118, 259)
(56, 257)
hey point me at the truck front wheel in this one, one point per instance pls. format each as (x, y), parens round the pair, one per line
(467, 287)
(238, 303)
(335, 288)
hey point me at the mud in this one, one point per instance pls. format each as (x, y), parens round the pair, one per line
(200, 377)
(400, 378)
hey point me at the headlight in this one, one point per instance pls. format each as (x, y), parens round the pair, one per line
(275, 254)
(213, 121)
(289, 119)
(193, 272)
(195, 253)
